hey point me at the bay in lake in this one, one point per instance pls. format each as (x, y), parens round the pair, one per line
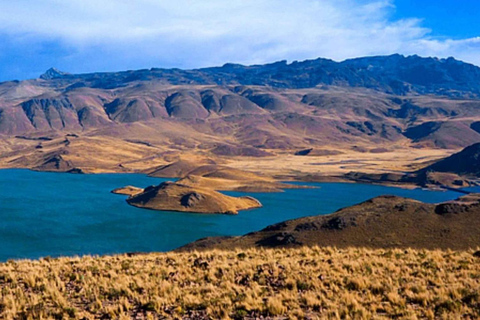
(56, 214)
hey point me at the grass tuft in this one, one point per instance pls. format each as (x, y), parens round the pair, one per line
(295, 283)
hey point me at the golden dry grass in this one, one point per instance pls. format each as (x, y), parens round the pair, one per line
(315, 283)
(98, 153)
(402, 159)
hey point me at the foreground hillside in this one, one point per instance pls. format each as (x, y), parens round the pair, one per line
(381, 222)
(301, 283)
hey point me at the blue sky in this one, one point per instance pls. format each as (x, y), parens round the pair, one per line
(449, 19)
(81, 36)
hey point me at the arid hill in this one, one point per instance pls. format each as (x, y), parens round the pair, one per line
(217, 177)
(458, 170)
(461, 169)
(464, 163)
(177, 169)
(202, 168)
(128, 121)
(382, 222)
(171, 196)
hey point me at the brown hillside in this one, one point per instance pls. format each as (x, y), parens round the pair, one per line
(217, 177)
(177, 169)
(382, 222)
(460, 169)
(128, 121)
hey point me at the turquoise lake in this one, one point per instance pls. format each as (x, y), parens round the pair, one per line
(57, 214)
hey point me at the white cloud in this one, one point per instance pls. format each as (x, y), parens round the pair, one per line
(466, 49)
(193, 33)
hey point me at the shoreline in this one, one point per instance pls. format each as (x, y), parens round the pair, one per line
(342, 181)
(277, 178)
(224, 234)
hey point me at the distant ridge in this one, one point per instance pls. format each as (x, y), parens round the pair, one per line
(396, 74)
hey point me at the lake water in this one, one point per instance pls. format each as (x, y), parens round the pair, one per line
(56, 214)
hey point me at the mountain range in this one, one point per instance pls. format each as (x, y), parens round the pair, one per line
(393, 74)
(364, 104)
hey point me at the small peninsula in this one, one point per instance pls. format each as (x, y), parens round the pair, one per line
(171, 196)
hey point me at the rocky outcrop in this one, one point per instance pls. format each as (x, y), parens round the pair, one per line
(53, 73)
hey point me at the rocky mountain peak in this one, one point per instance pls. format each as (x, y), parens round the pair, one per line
(53, 73)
